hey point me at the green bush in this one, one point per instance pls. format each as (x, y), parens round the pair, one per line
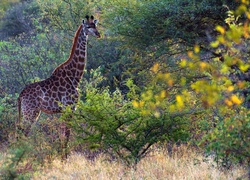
(25, 155)
(18, 19)
(8, 118)
(108, 121)
(229, 140)
(23, 63)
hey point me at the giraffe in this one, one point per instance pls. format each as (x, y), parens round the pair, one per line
(60, 89)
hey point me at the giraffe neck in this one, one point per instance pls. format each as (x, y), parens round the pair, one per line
(73, 68)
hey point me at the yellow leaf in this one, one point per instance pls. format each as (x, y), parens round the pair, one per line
(224, 69)
(183, 63)
(214, 44)
(190, 54)
(147, 95)
(191, 65)
(230, 88)
(245, 1)
(220, 29)
(244, 67)
(221, 39)
(248, 15)
(178, 98)
(170, 82)
(157, 114)
(246, 30)
(235, 99)
(157, 103)
(160, 75)
(227, 83)
(172, 108)
(180, 102)
(196, 49)
(145, 113)
(241, 9)
(203, 65)
(163, 94)
(166, 75)
(135, 104)
(141, 103)
(228, 102)
(155, 67)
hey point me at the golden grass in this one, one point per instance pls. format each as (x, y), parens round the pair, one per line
(183, 164)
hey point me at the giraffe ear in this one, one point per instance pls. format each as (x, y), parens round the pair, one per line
(95, 21)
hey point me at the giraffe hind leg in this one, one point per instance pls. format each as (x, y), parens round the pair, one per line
(29, 118)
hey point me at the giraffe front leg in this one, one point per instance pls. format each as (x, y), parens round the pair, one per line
(64, 138)
(67, 134)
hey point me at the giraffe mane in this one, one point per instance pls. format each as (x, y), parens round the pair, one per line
(72, 49)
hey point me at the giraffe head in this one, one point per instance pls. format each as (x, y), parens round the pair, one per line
(89, 26)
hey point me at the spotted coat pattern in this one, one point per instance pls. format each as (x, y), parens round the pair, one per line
(60, 89)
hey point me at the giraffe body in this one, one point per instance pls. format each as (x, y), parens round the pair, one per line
(46, 96)
(60, 89)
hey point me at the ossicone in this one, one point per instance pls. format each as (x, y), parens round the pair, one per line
(90, 19)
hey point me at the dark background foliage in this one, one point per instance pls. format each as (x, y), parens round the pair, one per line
(139, 87)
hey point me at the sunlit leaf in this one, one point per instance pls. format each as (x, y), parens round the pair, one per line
(183, 63)
(196, 49)
(244, 67)
(235, 100)
(220, 29)
(135, 104)
(157, 114)
(203, 65)
(215, 44)
(155, 68)
(230, 88)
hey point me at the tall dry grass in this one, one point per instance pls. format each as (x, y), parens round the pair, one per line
(183, 164)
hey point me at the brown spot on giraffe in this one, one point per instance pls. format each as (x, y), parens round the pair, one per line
(61, 86)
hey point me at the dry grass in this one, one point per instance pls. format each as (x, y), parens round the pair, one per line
(184, 164)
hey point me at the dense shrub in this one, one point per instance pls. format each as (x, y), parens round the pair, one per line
(7, 119)
(19, 19)
(108, 121)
